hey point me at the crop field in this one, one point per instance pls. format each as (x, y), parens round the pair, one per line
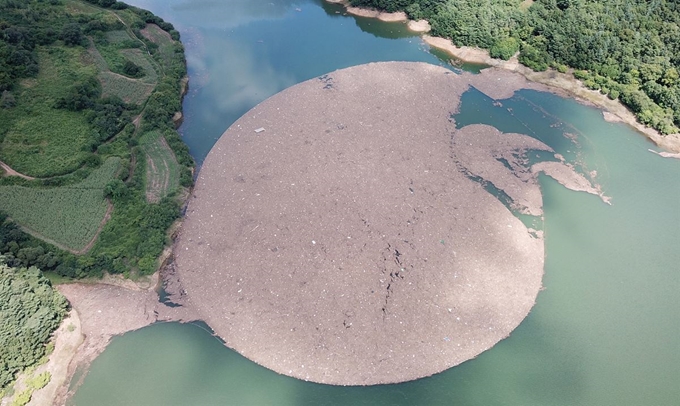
(117, 36)
(129, 90)
(128, 17)
(141, 59)
(162, 169)
(60, 67)
(79, 7)
(46, 142)
(69, 215)
(161, 38)
(112, 55)
(97, 58)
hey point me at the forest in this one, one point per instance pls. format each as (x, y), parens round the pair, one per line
(30, 309)
(628, 50)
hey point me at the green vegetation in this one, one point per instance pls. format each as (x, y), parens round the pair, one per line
(68, 215)
(628, 50)
(128, 90)
(30, 310)
(162, 169)
(74, 76)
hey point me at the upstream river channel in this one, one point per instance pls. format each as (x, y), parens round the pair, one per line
(604, 331)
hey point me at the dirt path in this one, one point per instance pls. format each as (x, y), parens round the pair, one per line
(11, 172)
(107, 217)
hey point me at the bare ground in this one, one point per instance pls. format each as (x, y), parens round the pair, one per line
(100, 311)
(346, 244)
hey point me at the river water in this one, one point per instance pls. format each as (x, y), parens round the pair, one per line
(606, 328)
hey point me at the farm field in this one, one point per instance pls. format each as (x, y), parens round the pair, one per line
(38, 139)
(162, 169)
(132, 91)
(46, 143)
(139, 58)
(68, 216)
(117, 36)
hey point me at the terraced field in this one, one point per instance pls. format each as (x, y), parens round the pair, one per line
(162, 169)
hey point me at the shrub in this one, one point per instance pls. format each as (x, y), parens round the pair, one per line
(504, 48)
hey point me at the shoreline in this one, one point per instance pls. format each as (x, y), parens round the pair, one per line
(421, 26)
(563, 84)
(100, 311)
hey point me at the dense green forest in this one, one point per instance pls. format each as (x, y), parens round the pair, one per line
(626, 49)
(83, 84)
(30, 310)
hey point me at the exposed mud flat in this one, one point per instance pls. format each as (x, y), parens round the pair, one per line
(336, 232)
(107, 309)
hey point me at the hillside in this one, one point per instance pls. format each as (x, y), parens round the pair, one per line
(95, 172)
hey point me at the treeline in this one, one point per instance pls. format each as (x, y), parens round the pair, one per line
(30, 310)
(628, 50)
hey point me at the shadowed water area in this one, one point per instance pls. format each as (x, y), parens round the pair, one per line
(605, 329)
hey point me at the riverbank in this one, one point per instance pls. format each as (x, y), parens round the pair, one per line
(564, 84)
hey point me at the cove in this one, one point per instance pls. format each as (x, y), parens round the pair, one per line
(605, 329)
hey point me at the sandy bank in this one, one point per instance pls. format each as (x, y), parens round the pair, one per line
(348, 242)
(419, 26)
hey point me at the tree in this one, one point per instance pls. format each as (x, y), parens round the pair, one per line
(72, 35)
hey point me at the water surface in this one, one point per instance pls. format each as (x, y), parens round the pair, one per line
(605, 331)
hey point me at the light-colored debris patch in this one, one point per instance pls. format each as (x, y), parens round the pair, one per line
(107, 309)
(501, 158)
(569, 178)
(348, 243)
(419, 26)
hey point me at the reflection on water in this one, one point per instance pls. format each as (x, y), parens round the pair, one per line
(605, 331)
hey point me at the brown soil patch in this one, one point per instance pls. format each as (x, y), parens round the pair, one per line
(346, 243)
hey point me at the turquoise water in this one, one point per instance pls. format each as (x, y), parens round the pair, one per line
(605, 330)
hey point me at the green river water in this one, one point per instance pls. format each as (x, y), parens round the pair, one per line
(604, 331)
